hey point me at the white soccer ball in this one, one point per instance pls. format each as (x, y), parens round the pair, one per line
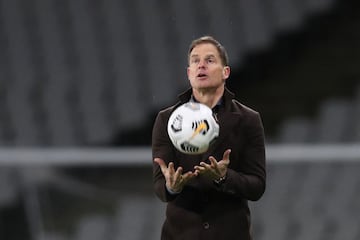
(192, 128)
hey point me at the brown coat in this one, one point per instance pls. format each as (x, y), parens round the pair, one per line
(203, 210)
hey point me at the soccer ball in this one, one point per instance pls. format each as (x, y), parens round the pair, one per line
(192, 128)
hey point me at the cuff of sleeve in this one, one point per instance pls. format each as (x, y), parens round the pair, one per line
(171, 191)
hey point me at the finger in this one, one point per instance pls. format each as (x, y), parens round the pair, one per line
(213, 162)
(199, 168)
(177, 175)
(159, 161)
(206, 166)
(171, 170)
(188, 175)
(161, 164)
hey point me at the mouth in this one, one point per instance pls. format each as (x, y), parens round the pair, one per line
(201, 75)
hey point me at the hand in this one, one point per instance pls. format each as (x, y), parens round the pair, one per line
(175, 180)
(216, 169)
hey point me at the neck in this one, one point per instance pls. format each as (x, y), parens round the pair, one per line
(209, 97)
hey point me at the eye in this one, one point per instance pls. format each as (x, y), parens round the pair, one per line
(210, 60)
(194, 60)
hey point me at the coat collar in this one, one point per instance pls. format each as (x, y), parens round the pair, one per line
(228, 96)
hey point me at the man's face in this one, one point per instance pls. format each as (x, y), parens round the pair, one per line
(205, 70)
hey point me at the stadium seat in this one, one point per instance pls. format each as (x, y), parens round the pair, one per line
(355, 117)
(138, 217)
(52, 236)
(9, 191)
(296, 130)
(257, 32)
(93, 228)
(90, 77)
(21, 91)
(333, 120)
(57, 106)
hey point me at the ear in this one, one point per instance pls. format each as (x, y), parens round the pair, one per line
(188, 72)
(226, 72)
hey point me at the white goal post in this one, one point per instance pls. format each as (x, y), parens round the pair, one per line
(141, 156)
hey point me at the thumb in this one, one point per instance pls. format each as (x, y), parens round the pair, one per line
(226, 155)
(161, 163)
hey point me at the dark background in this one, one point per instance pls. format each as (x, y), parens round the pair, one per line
(87, 73)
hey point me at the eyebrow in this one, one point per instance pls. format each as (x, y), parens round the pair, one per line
(207, 56)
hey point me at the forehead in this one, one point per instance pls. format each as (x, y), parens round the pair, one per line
(205, 49)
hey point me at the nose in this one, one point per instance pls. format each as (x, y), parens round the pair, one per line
(202, 64)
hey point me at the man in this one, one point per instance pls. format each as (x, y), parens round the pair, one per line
(208, 194)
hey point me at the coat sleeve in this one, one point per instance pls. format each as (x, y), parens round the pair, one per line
(251, 181)
(161, 148)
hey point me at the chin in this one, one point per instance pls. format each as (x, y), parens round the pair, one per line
(206, 88)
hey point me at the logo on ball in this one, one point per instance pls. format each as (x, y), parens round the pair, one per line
(176, 125)
(200, 127)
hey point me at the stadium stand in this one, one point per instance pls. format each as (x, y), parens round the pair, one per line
(304, 200)
(336, 121)
(316, 202)
(78, 71)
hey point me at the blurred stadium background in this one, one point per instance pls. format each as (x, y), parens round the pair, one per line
(82, 80)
